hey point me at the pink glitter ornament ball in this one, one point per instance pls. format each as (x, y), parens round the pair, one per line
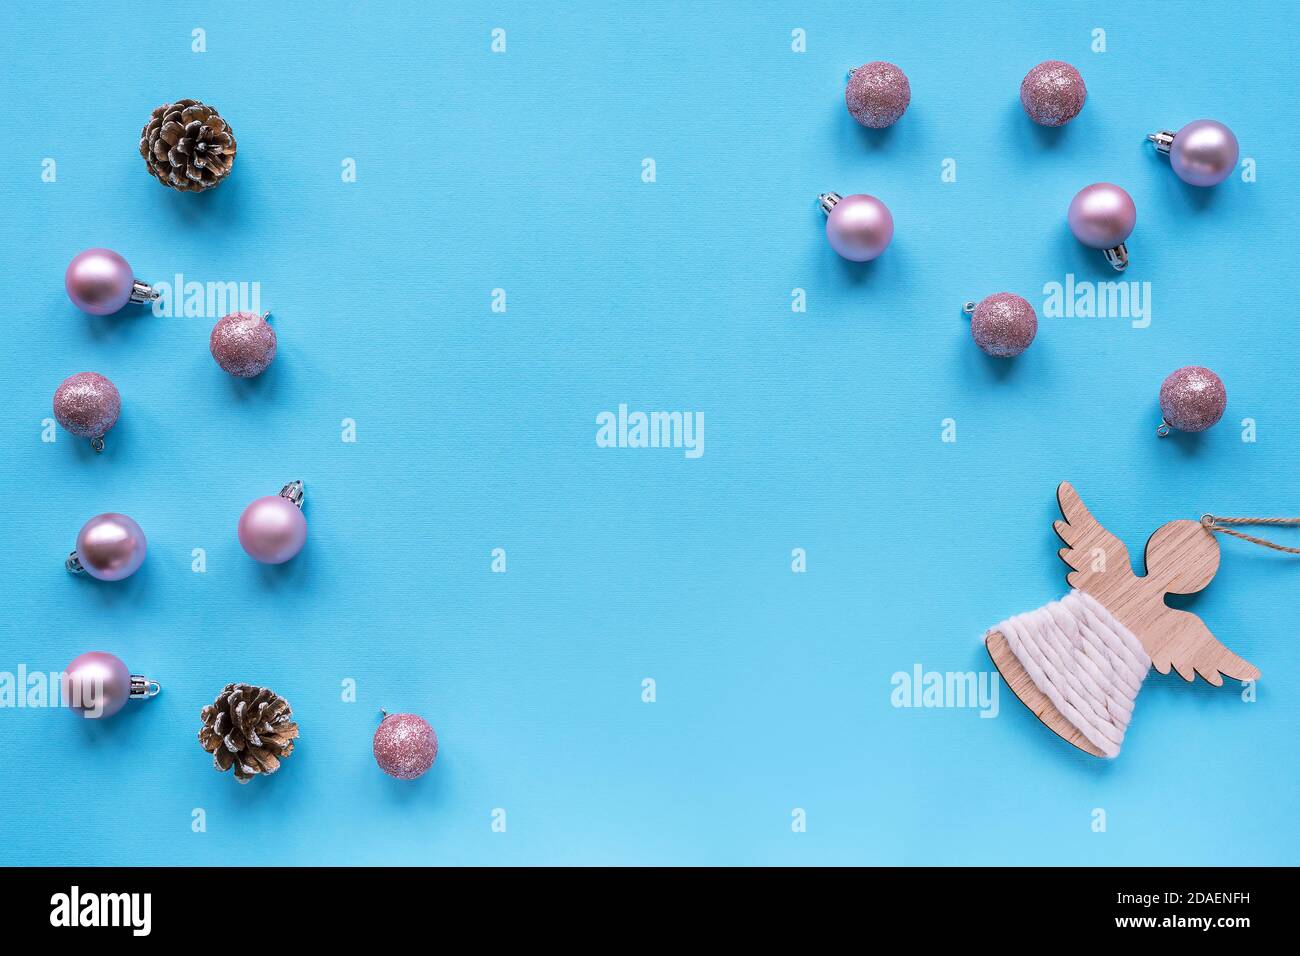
(878, 94)
(405, 745)
(243, 343)
(1003, 324)
(87, 404)
(1052, 93)
(1191, 399)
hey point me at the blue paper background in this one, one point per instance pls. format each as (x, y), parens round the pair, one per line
(475, 430)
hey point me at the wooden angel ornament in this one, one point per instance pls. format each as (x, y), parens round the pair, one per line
(1078, 663)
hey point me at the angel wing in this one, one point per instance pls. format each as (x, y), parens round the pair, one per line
(1100, 560)
(1190, 648)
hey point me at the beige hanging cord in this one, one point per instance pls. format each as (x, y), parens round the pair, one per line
(1218, 525)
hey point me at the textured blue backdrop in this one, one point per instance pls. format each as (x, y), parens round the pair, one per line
(476, 430)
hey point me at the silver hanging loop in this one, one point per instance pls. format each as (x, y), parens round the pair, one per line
(828, 201)
(294, 491)
(1163, 140)
(142, 292)
(143, 687)
(1118, 257)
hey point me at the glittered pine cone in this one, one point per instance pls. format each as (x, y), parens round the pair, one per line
(187, 146)
(248, 728)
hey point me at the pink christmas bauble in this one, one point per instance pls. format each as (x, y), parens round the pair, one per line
(111, 547)
(87, 404)
(1192, 399)
(1053, 93)
(1102, 215)
(405, 746)
(1004, 324)
(96, 684)
(1204, 153)
(859, 227)
(99, 281)
(878, 94)
(243, 343)
(272, 529)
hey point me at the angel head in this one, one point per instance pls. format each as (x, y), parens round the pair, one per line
(1182, 556)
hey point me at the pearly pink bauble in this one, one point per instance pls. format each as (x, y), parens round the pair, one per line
(96, 684)
(1204, 153)
(99, 281)
(272, 529)
(1102, 215)
(859, 227)
(111, 547)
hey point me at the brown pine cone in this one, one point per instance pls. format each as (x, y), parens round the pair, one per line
(248, 728)
(187, 146)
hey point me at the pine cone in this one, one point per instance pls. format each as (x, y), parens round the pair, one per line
(187, 146)
(248, 728)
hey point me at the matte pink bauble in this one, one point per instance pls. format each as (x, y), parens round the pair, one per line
(97, 684)
(1202, 153)
(110, 547)
(100, 281)
(273, 529)
(1103, 216)
(858, 227)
